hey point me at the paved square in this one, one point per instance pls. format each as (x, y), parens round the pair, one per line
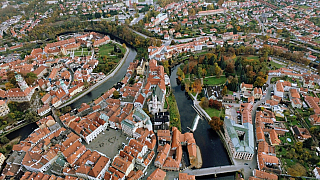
(109, 142)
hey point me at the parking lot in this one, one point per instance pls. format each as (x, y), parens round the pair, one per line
(109, 142)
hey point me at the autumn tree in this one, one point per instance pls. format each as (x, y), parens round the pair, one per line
(224, 90)
(260, 81)
(297, 170)
(210, 7)
(211, 102)
(215, 123)
(197, 86)
(204, 103)
(116, 94)
(30, 78)
(216, 104)
(230, 68)
(9, 85)
(220, 2)
(217, 70)
(192, 12)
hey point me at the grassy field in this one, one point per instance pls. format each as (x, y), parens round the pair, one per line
(106, 49)
(253, 57)
(213, 112)
(276, 65)
(107, 58)
(215, 81)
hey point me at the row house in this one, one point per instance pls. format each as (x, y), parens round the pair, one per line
(89, 127)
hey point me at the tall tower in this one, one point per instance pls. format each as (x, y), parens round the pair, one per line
(64, 86)
(21, 82)
(154, 100)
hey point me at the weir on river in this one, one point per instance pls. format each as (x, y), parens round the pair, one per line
(212, 150)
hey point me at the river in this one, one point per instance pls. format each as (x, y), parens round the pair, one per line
(212, 149)
(97, 92)
(23, 132)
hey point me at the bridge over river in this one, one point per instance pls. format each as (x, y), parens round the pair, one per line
(215, 170)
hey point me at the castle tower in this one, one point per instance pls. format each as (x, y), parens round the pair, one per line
(21, 82)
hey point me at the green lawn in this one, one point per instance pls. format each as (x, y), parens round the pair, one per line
(253, 57)
(230, 92)
(107, 58)
(215, 81)
(275, 79)
(304, 7)
(284, 139)
(276, 65)
(105, 50)
(213, 112)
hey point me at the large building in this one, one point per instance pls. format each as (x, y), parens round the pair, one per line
(240, 138)
(211, 12)
(22, 94)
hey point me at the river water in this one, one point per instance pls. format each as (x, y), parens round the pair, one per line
(212, 149)
(23, 132)
(97, 92)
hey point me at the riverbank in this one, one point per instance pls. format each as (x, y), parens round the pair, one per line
(173, 111)
(210, 145)
(198, 161)
(111, 74)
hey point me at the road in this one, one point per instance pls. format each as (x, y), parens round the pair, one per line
(310, 49)
(215, 170)
(260, 23)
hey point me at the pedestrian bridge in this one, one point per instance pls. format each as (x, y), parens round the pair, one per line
(214, 170)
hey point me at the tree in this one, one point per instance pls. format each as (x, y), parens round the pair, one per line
(308, 143)
(210, 7)
(30, 78)
(204, 103)
(297, 170)
(260, 81)
(197, 86)
(299, 147)
(4, 140)
(215, 123)
(116, 94)
(211, 102)
(230, 68)
(224, 90)
(217, 70)
(9, 85)
(192, 12)
(31, 116)
(217, 104)
(220, 2)
(8, 147)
